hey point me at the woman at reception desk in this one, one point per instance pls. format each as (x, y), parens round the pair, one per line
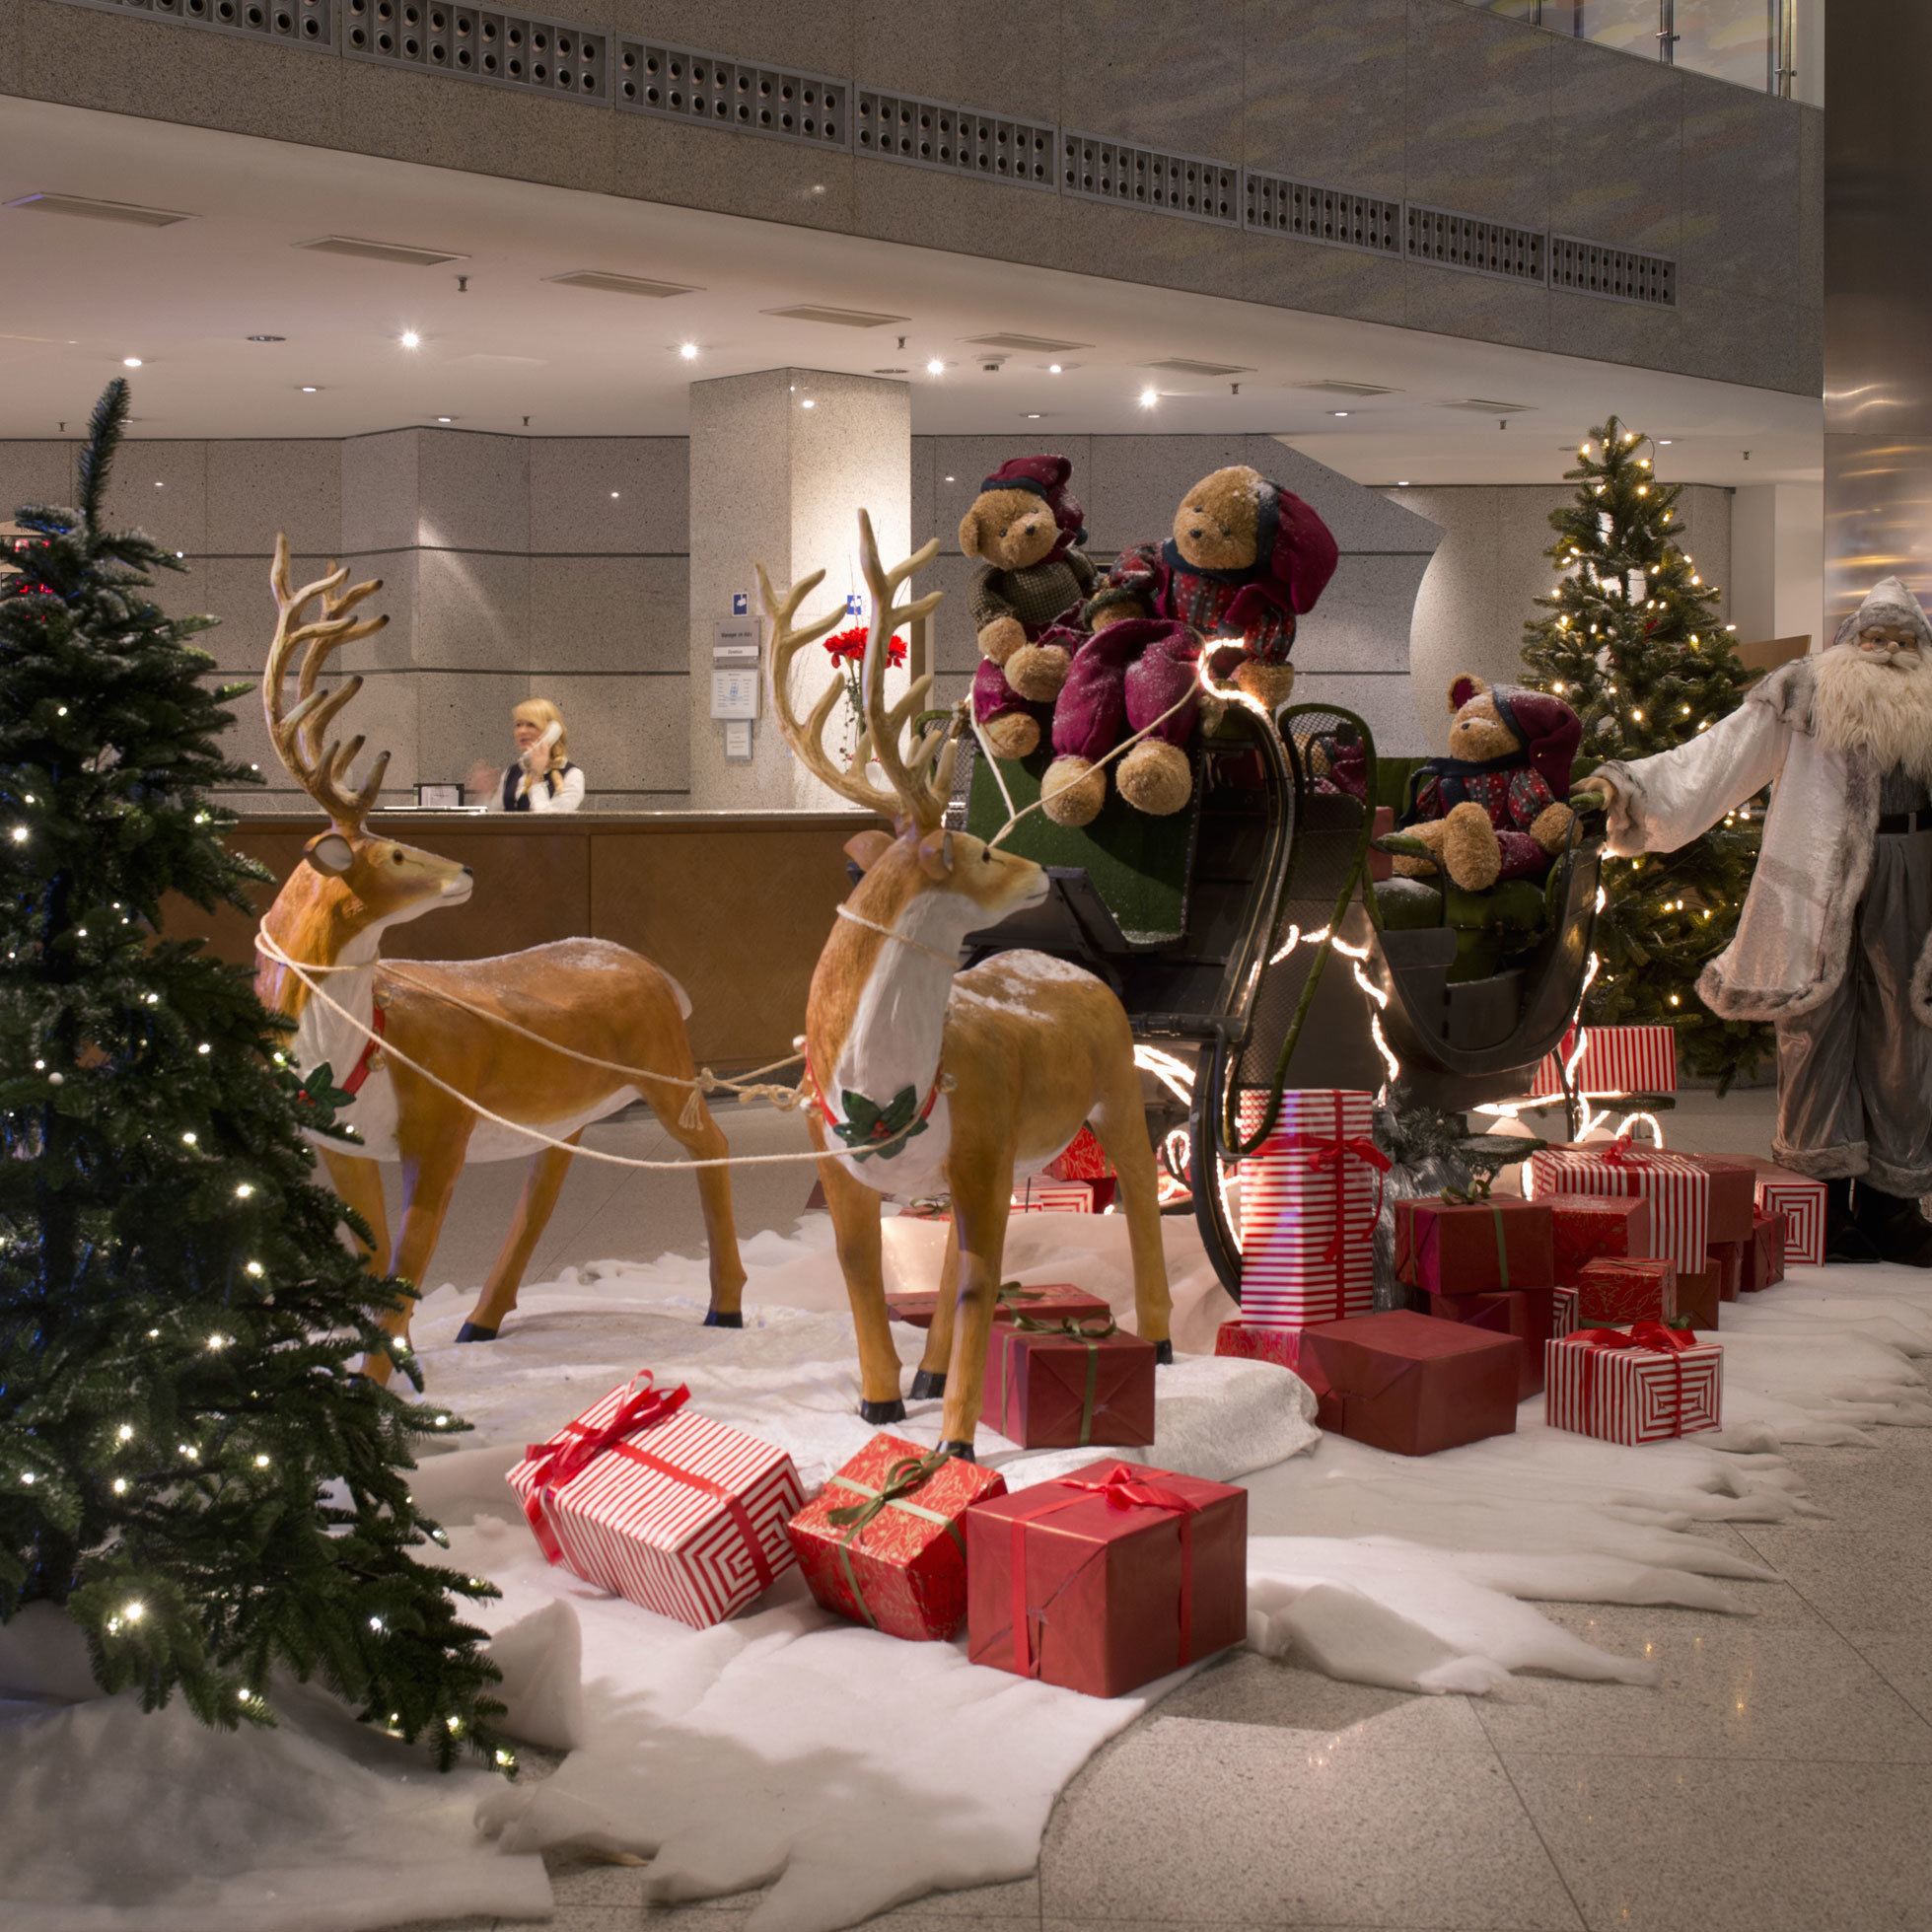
(541, 778)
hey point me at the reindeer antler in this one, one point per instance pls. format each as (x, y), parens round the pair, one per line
(321, 771)
(923, 791)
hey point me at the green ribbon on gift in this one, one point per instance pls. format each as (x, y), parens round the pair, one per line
(1072, 1328)
(1011, 1294)
(1477, 1194)
(909, 1473)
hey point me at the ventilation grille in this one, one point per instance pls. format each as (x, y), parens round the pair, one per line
(961, 140)
(1484, 248)
(1145, 178)
(1277, 205)
(305, 22)
(1589, 269)
(542, 57)
(653, 79)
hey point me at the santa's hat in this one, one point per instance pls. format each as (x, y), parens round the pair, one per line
(1293, 545)
(1887, 602)
(1044, 476)
(1549, 729)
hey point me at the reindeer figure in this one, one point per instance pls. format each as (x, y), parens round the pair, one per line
(932, 1080)
(588, 996)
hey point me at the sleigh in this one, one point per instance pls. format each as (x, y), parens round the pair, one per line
(1244, 939)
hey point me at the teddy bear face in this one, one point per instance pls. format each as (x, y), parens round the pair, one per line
(1215, 526)
(1479, 733)
(1009, 529)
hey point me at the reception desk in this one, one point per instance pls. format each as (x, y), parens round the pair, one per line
(734, 906)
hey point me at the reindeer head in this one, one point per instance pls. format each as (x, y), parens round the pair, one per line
(965, 882)
(350, 884)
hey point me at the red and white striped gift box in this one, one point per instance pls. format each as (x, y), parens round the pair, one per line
(1037, 1197)
(1310, 1196)
(1677, 1189)
(1633, 1393)
(684, 1517)
(1565, 1311)
(1615, 1060)
(1801, 1201)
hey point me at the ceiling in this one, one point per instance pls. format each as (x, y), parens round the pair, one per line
(516, 351)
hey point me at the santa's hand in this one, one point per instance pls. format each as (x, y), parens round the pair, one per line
(1590, 796)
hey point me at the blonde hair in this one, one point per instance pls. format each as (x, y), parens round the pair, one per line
(541, 713)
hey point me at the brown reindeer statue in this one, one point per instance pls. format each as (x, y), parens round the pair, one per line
(929, 1080)
(600, 1002)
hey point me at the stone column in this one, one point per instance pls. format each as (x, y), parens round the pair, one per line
(782, 462)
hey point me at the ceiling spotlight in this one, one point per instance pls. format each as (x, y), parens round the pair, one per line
(807, 403)
(1033, 416)
(688, 351)
(1053, 368)
(935, 366)
(131, 362)
(1664, 442)
(410, 339)
(614, 496)
(1339, 412)
(310, 389)
(446, 419)
(1402, 483)
(1148, 399)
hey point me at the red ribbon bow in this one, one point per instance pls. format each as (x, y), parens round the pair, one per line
(1644, 1338)
(1622, 1152)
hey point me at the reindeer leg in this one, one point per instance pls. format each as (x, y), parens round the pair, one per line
(542, 1186)
(983, 1193)
(706, 1142)
(359, 1185)
(931, 1378)
(428, 1182)
(855, 1223)
(1119, 1124)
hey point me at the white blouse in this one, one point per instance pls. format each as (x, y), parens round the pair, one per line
(559, 791)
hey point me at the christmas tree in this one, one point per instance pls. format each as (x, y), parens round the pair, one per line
(1635, 646)
(187, 1465)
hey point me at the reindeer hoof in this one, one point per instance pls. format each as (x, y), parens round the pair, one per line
(476, 1331)
(877, 1413)
(927, 1383)
(1164, 1354)
(722, 1317)
(962, 1449)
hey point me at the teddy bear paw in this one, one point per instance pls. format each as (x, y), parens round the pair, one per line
(1270, 685)
(1470, 853)
(1014, 735)
(1155, 777)
(1550, 828)
(1037, 672)
(1001, 638)
(1073, 791)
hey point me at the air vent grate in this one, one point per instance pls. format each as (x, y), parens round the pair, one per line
(520, 50)
(961, 140)
(1145, 178)
(1277, 205)
(1482, 248)
(680, 82)
(1588, 268)
(612, 284)
(302, 22)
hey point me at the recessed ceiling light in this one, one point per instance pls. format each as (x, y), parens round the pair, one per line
(1033, 416)
(808, 403)
(950, 479)
(614, 496)
(935, 366)
(267, 339)
(310, 389)
(131, 362)
(813, 311)
(92, 210)
(1148, 399)
(410, 339)
(688, 350)
(1053, 368)
(379, 250)
(1403, 484)
(1664, 442)
(609, 284)
(446, 419)
(1339, 412)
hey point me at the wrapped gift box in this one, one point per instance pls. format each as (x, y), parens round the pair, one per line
(1621, 1291)
(1051, 1301)
(1254, 1341)
(1106, 1579)
(656, 1503)
(1591, 1227)
(1310, 1196)
(884, 1543)
(1528, 1314)
(1082, 1159)
(1566, 1310)
(1767, 1239)
(1801, 1201)
(1734, 1183)
(1450, 1248)
(1730, 1260)
(1647, 1386)
(1043, 1197)
(1677, 1189)
(1068, 1384)
(1615, 1060)
(1410, 1384)
(1696, 1298)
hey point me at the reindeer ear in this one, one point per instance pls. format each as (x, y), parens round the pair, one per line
(1464, 688)
(936, 854)
(330, 854)
(867, 849)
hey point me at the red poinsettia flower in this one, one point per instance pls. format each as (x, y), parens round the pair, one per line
(848, 646)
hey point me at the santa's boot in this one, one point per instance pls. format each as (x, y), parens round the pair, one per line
(1896, 1229)
(1844, 1238)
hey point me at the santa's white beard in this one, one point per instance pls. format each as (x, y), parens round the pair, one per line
(1884, 707)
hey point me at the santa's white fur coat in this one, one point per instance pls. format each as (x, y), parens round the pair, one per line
(1795, 935)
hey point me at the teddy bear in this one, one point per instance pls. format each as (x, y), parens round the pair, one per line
(1246, 559)
(1124, 679)
(1024, 527)
(1493, 809)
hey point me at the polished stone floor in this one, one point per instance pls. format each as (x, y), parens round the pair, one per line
(1780, 1780)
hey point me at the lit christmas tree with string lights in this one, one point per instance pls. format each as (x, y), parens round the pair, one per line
(1634, 645)
(188, 1469)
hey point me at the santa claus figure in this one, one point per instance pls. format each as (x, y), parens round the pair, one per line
(1836, 942)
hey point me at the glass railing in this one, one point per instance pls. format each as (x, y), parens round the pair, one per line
(1751, 42)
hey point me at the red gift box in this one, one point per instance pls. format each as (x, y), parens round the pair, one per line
(1410, 1384)
(1616, 1293)
(654, 1502)
(1734, 1184)
(1051, 1301)
(1677, 1189)
(1730, 1260)
(1615, 1060)
(1801, 1201)
(1767, 1239)
(1068, 1384)
(1648, 1386)
(1081, 1159)
(884, 1543)
(1566, 1310)
(1528, 1314)
(1472, 1248)
(1042, 1196)
(1256, 1341)
(1696, 1298)
(1106, 1579)
(1590, 1227)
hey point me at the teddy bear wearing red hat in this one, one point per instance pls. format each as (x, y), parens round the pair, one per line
(1024, 527)
(1246, 559)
